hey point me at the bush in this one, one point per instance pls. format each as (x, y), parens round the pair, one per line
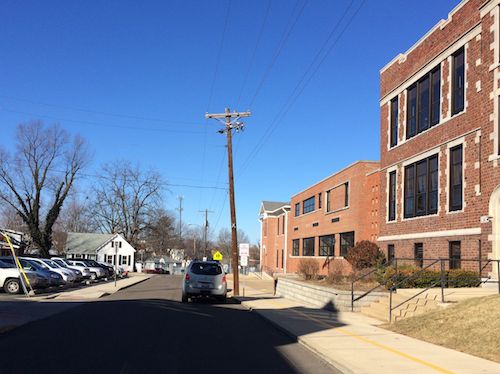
(308, 268)
(364, 254)
(426, 278)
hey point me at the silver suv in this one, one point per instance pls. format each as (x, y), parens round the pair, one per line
(204, 278)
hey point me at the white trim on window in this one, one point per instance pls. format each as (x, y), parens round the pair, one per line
(454, 143)
(387, 188)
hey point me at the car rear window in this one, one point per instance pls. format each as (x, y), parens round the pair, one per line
(206, 269)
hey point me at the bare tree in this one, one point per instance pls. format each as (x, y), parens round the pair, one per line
(75, 217)
(37, 177)
(125, 198)
(223, 241)
(160, 231)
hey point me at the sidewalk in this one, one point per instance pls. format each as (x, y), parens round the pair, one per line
(352, 342)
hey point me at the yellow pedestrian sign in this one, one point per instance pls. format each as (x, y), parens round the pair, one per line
(217, 256)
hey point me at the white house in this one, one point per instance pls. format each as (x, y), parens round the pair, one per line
(101, 247)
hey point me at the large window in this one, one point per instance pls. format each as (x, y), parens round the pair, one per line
(308, 247)
(295, 247)
(419, 254)
(455, 255)
(392, 196)
(346, 242)
(424, 103)
(326, 245)
(297, 209)
(458, 81)
(394, 121)
(338, 197)
(421, 188)
(320, 196)
(456, 165)
(308, 205)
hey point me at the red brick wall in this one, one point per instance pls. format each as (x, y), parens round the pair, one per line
(479, 59)
(272, 244)
(360, 216)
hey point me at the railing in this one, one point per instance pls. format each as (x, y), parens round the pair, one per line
(443, 280)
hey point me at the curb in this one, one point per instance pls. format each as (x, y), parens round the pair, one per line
(130, 285)
(298, 339)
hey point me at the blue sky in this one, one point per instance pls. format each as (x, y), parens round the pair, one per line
(135, 78)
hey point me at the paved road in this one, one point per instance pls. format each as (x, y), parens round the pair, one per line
(145, 329)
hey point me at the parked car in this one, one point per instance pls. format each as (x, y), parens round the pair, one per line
(10, 278)
(109, 267)
(204, 278)
(77, 273)
(53, 278)
(95, 271)
(68, 276)
(65, 263)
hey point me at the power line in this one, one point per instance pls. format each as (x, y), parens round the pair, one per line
(100, 124)
(297, 91)
(284, 38)
(92, 111)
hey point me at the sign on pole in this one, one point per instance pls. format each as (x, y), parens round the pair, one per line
(244, 249)
(244, 260)
(217, 256)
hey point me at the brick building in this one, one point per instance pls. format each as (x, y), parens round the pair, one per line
(273, 217)
(439, 151)
(322, 221)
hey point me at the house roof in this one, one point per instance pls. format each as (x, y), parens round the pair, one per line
(271, 206)
(86, 242)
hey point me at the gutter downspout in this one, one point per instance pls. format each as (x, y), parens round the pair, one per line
(261, 244)
(286, 242)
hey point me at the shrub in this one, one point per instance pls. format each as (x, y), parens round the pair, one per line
(335, 272)
(364, 254)
(308, 268)
(463, 278)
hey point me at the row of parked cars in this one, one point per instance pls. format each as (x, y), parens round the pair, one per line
(50, 272)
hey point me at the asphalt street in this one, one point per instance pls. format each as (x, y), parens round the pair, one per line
(146, 329)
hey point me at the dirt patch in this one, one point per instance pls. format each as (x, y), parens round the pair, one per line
(471, 326)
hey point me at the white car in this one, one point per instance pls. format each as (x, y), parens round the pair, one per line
(9, 278)
(67, 275)
(95, 272)
(65, 264)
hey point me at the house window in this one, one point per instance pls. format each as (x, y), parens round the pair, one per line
(337, 198)
(455, 255)
(119, 244)
(308, 247)
(458, 89)
(390, 253)
(308, 205)
(456, 166)
(420, 188)
(278, 226)
(277, 259)
(265, 227)
(283, 224)
(112, 244)
(346, 242)
(297, 209)
(295, 247)
(326, 245)
(319, 200)
(394, 122)
(392, 196)
(424, 103)
(109, 259)
(282, 258)
(419, 254)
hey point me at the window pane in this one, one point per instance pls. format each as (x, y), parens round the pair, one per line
(433, 185)
(346, 242)
(326, 244)
(390, 252)
(419, 254)
(297, 209)
(392, 196)
(458, 81)
(394, 122)
(409, 191)
(411, 125)
(456, 178)
(308, 205)
(295, 247)
(423, 103)
(435, 96)
(455, 255)
(422, 187)
(308, 247)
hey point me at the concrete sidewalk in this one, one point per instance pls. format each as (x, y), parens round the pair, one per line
(352, 342)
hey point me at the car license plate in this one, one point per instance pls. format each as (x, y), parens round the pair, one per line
(205, 285)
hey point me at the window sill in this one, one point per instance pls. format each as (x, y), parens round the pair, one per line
(455, 211)
(337, 210)
(421, 217)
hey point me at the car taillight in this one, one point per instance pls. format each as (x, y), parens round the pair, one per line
(187, 278)
(224, 279)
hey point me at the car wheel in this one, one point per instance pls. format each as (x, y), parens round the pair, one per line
(12, 286)
(93, 276)
(185, 298)
(222, 299)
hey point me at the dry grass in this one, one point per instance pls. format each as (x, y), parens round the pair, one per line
(471, 326)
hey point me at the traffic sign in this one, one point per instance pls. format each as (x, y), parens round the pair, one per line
(244, 249)
(244, 261)
(217, 256)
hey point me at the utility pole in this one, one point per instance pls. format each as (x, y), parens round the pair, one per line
(180, 209)
(231, 122)
(205, 230)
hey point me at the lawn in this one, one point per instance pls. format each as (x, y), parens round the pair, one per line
(471, 326)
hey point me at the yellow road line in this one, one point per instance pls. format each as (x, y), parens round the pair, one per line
(379, 345)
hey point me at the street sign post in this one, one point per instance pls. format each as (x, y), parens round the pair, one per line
(244, 261)
(244, 249)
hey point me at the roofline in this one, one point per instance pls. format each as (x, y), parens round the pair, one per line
(338, 172)
(401, 57)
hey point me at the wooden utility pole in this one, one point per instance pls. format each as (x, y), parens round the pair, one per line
(205, 231)
(231, 122)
